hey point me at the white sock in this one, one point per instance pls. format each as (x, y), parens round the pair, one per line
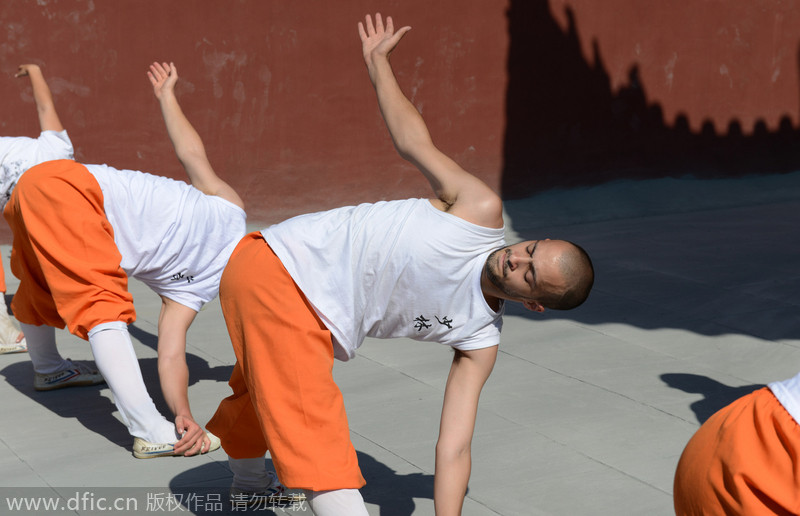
(338, 502)
(42, 348)
(250, 474)
(117, 362)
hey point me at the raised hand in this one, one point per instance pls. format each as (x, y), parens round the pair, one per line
(25, 69)
(378, 40)
(163, 77)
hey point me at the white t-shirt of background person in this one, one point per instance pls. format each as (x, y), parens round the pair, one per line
(392, 269)
(788, 393)
(173, 237)
(19, 153)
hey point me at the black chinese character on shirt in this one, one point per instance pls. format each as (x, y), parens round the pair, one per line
(421, 322)
(180, 276)
(445, 322)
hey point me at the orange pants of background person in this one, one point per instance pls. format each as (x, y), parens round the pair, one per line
(64, 252)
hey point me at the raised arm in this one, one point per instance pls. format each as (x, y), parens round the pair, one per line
(188, 145)
(468, 374)
(457, 191)
(48, 118)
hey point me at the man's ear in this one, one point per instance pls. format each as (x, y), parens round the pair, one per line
(534, 306)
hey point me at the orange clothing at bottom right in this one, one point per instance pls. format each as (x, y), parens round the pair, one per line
(745, 460)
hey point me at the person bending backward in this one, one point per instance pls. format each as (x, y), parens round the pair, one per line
(303, 292)
(81, 230)
(18, 154)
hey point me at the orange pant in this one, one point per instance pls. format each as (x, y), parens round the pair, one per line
(745, 460)
(284, 397)
(64, 252)
(3, 287)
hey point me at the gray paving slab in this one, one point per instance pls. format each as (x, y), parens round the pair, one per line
(586, 413)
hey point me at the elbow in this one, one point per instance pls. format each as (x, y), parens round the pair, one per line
(405, 153)
(404, 147)
(452, 452)
(190, 154)
(169, 360)
(410, 146)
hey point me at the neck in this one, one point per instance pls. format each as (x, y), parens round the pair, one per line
(489, 292)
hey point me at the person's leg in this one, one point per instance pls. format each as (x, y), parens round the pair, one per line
(339, 502)
(256, 486)
(236, 423)
(249, 474)
(44, 355)
(113, 353)
(744, 460)
(285, 360)
(51, 370)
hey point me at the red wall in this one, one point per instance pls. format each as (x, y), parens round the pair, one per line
(277, 90)
(529, 94)
(712, 60)
(631, 89)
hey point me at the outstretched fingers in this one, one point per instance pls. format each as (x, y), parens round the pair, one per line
(376, 29)
(379, 38)
(158, 73)
(162, 76)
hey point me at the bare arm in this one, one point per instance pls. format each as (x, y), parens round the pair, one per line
(457, 191)
(173, 323)
(48, 118)
(188, 145)
(468, 374)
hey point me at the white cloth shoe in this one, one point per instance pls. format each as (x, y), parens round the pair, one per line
(8, 336)
(146, 450)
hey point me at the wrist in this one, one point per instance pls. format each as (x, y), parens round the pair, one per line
(185, 414)
(165, 96)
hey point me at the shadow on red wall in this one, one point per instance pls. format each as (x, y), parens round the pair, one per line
(566, 127)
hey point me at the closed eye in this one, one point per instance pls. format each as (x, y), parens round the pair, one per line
(532, 270)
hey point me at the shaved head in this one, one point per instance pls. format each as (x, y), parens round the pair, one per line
(578, 274)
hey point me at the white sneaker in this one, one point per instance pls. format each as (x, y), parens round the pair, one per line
(146, 450)
(8, 336)
(77, 374)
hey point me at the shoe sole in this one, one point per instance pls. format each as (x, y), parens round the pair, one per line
(154, 455)
(78, 383)
(13, 350)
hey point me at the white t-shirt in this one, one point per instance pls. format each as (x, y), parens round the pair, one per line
(19, 153)
(392, 269)
(788, 393)
(174, 238)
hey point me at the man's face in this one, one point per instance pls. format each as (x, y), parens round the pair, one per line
(527, 270)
